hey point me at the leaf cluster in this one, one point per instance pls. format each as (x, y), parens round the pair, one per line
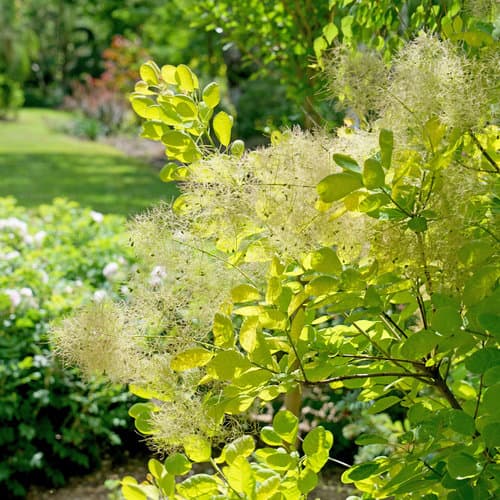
(409, 319)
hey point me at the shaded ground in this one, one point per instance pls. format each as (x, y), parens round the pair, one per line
(38, 163)
(92, 486)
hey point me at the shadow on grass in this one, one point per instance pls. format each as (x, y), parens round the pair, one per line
(108, 183)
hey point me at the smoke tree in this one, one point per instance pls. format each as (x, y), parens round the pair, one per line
(367, 260)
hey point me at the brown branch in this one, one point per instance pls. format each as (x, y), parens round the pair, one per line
(485, 153)
(442, 386)
(421, 307)
(370, 375)
(379, 358)
(386, 318)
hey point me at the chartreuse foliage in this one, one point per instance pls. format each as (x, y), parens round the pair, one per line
(181, 115)
(274, 471)
(406, 313)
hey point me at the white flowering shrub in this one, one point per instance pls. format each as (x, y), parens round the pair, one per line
(52, 260)
(366, 259)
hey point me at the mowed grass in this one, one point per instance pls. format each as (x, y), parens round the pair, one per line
(38, 162)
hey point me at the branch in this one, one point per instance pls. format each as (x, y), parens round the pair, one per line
(408, 214)
(476, 410)
(284, 184)
(385, 353)
(370, 375)
(485, 153)
(216, 257)
(387, 319)
(379, 358)
(463, 165)
(441, 384)
(421, 307)
(496, 238)
(299, 361)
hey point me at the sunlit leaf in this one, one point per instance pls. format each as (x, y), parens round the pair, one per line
(222, 124)
(191, 358)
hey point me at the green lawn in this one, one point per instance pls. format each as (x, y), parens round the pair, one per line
(38, 163)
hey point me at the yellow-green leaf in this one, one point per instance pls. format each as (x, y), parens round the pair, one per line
(324, 260)
(245, 293)
(240, 447)
(336, 186)
(386, 143)
(150, 73)
(191, 358)
(197, 448)
(223, 331)
(248, 333)
(185, 78)
(211, 95)
(168, 74)
(373, 174)
(286, 425)
(140, 104)
(222, 124)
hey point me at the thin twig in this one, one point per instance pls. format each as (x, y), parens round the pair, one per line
(386, 318)
(409, 214)
(334, 460)
(485, 229)
(223, 477)
(299, 361)
(378, 358)
(421, 307)
(476, 410)
(216, 257)
(463, 165)
(370, 375)
(485, 153)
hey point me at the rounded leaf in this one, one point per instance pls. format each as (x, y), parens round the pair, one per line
(222, 125)
(336, 186)
(211, 95)
(191, 358)
(168, 74)
(462, 466)
(373, 174)
(150, 73)
(286, 425)
(237, 148)
(241, 447)
(177, 464)
(197, 448)
(270, 436)
(185, 78)
(244, 293)
(360, 472)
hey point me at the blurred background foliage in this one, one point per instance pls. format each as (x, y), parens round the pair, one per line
(263, 51)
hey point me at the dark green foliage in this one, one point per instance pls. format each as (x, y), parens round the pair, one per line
(52, 424)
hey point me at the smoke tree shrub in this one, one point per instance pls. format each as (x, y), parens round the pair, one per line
(366, 260)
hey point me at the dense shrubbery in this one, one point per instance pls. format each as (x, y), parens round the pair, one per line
(52, 260)
(101, 103)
